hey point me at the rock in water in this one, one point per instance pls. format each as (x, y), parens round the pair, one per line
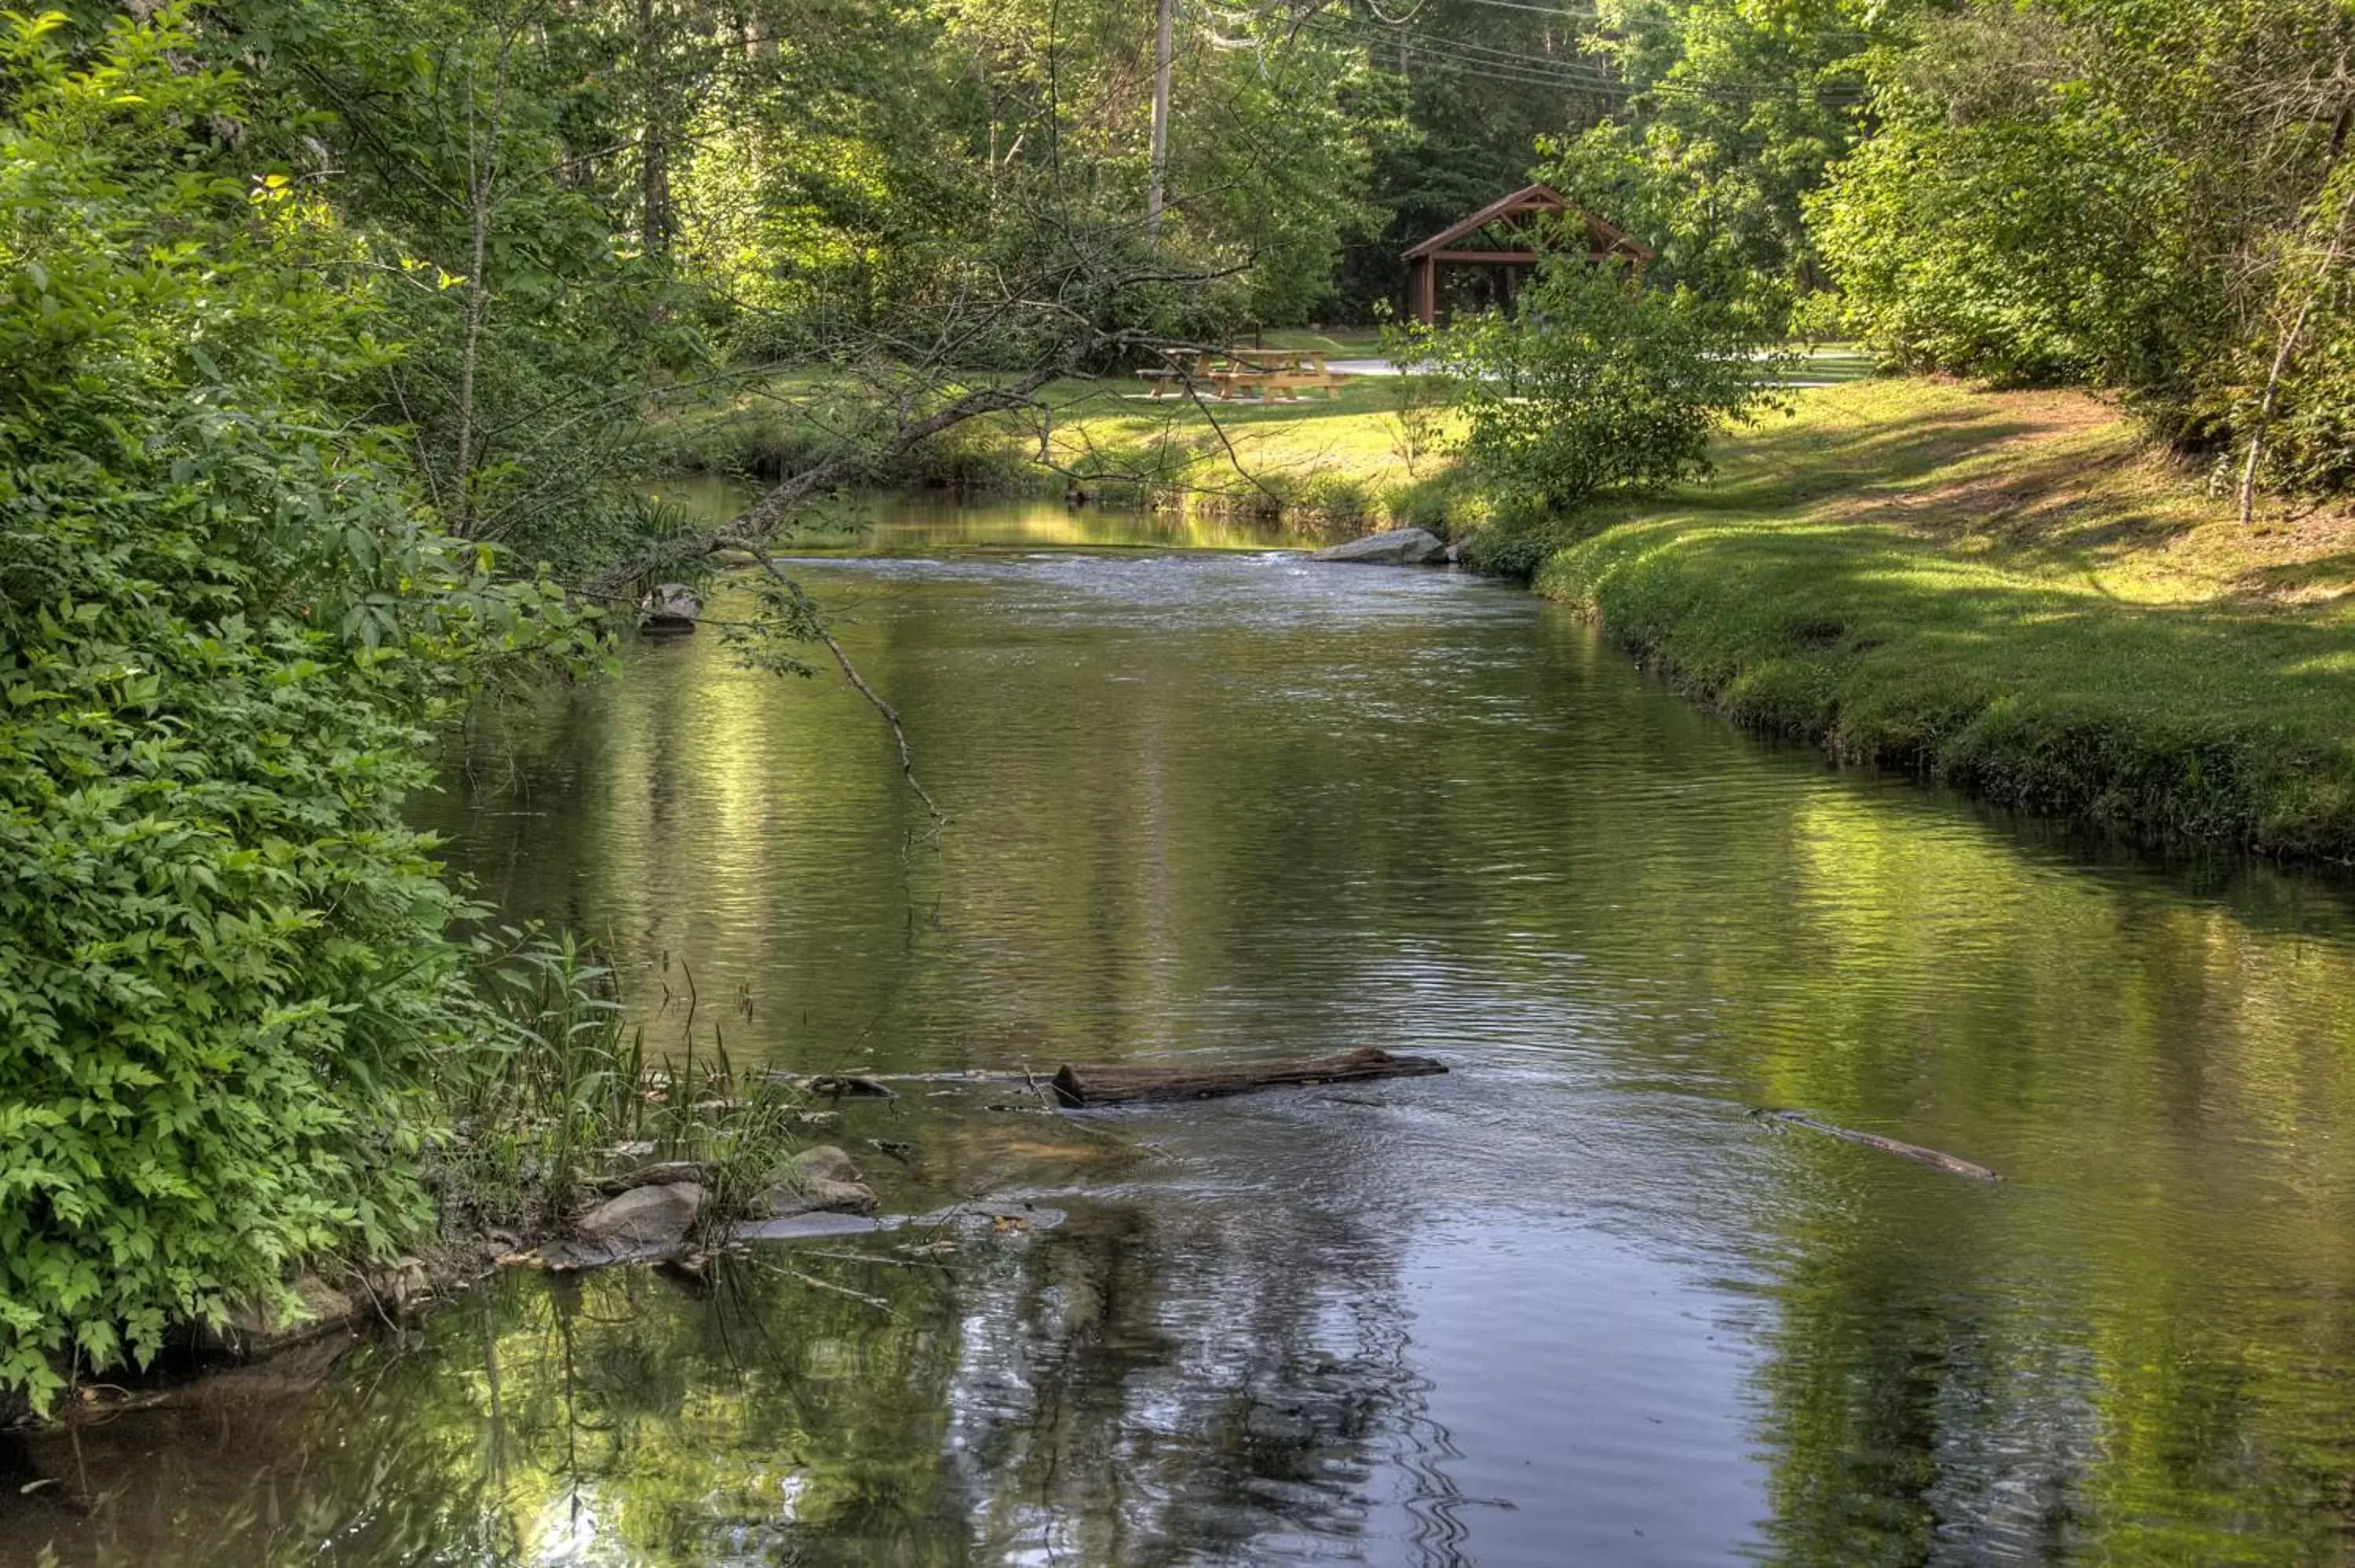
(643, 1218)
(1399, 548)
(670, 611)
(818, 1181)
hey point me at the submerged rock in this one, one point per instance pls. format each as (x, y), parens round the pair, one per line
(1000, 1219)
(1398, 547)
(809, 1226)
(849, 1086)
(817, 1181)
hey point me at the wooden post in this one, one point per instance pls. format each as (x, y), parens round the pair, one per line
(1430, 269)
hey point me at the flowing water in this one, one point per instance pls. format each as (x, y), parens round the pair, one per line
(1568, 1304)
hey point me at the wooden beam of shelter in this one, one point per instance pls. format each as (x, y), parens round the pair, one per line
(1606, 241)
(1603, 235)
(1510, 258)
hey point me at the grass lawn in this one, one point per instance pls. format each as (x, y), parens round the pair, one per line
(1351, 342)
(2004, 591)
(1348, 455)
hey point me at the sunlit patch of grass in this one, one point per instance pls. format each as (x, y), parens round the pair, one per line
(1355, 456)
(2004, 592)
(1356, 343)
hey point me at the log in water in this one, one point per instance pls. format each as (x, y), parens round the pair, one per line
(1119, 1083)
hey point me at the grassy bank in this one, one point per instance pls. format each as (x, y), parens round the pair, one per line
(2001, 591)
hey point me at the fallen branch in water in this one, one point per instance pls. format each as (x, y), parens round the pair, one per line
(1122, 1083)
(891, 714)
(1914, 1151)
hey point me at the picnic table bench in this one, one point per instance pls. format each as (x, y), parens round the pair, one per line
(1281, 374)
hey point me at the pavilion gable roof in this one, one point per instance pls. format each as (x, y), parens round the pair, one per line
(1602, 234)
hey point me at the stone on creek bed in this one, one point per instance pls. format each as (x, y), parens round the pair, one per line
(817, 1181)
(1398, 547)
(642, 1224)
(655, 1219)
(644, 1216)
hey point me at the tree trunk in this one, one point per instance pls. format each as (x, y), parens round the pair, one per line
(482, 170)
(2324, 276)
(653, 155)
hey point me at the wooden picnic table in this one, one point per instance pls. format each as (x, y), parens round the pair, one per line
(1274, 372)
(1295, 361)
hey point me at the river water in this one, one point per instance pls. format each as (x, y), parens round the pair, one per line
(1568, 1304)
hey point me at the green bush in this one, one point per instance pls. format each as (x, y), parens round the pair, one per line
(224, 979)
(1595, 383)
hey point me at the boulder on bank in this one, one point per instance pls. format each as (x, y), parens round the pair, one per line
(643, 1224)
(652, 1216)
(1398, 547)
(261, 1328)
(670, 611)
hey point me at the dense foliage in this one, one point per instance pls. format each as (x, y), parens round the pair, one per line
(1597, 381)
(1726, 115)
(223, 967)
(2142, 195)
(2149, 196)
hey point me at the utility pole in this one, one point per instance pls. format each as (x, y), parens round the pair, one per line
(1163, 61)
(654, 155)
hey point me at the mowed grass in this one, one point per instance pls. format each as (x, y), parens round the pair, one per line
(2003, 591)
(1370, 452)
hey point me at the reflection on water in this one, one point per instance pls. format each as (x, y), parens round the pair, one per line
(1566, 1305)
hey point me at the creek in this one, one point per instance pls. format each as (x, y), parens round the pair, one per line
(1567, 1303)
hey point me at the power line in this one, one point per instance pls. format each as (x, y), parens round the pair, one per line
(1470, 56)
(1580, 75)
(1542, 10)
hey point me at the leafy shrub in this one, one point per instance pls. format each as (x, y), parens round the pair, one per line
(224, 980)
(1595, 383)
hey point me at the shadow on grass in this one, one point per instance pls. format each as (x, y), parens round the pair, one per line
(2316, 581)
(1791, 463)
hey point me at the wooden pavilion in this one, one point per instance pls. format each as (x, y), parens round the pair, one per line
(1503, 238)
